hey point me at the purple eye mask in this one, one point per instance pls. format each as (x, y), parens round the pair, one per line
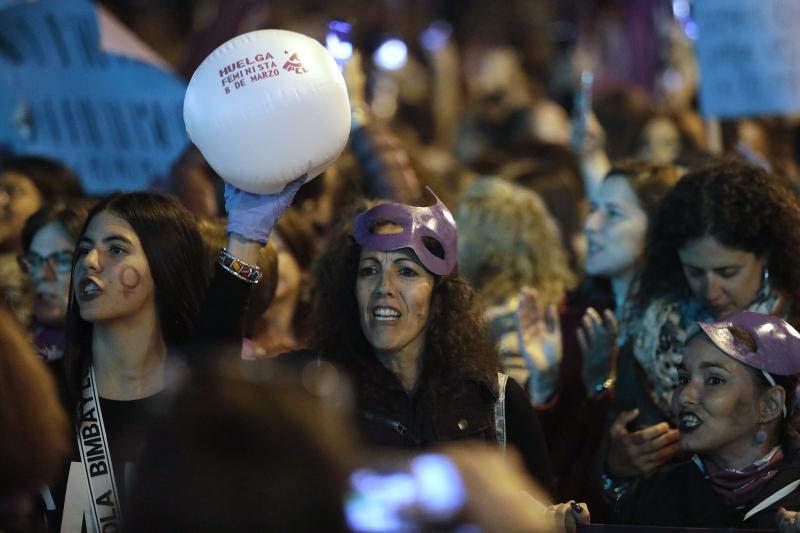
(435, 222)
(777, 343)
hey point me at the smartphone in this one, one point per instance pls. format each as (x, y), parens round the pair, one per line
(339, 42)
(404, 495)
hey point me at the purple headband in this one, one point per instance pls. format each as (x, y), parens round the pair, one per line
(777, 343)
(435, 222)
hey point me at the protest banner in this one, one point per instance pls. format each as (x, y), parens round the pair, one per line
(117, 121)
(749, 57)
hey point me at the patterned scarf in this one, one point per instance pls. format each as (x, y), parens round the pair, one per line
(737, 487)
(666, 326)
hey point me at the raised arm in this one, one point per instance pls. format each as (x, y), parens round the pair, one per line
(251, 217)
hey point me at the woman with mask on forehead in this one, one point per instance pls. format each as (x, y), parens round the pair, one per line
(391, 309)
(735, 405)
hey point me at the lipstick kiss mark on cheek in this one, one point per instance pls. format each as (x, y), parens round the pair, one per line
(129, 278)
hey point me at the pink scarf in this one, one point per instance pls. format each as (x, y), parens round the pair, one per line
(737, 487)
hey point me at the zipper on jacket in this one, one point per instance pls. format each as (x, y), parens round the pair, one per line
(394, 424)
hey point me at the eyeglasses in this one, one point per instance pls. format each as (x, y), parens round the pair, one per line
(33, 263)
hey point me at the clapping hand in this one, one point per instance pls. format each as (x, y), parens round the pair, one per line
(597, 339)
(539, 338)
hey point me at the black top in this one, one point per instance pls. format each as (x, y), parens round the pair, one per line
(680, 495)
(219, 329)
(127, 424)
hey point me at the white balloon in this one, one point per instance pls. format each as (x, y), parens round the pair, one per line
(267, 107)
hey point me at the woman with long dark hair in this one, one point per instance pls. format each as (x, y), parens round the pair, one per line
(138, 288)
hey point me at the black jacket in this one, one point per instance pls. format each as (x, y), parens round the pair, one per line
(680, 495)
(439, 410)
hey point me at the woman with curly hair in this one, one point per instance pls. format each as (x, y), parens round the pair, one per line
(724, 241)
(511, 253)
(391, 309)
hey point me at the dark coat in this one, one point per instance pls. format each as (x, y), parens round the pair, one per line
(440, 409)
(679, 495)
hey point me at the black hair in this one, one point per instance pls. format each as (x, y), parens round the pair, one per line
(458, 342)
(178, 264)
(743, 207)
(285, 440)
(53, 179)
(788, 435)
(71, 215)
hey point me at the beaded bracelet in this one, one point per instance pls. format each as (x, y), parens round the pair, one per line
(237, 267)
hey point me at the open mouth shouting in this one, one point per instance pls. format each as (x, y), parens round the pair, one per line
(88, 289)
(594, 247)
(688, 421)
(385, 314)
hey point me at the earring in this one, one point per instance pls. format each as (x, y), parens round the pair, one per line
(761, 436)
(766, 275)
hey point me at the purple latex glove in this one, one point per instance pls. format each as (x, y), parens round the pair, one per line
(253, 215)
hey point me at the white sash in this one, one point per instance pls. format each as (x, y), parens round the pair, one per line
(103, 512)
(74, 518)
(776, 497)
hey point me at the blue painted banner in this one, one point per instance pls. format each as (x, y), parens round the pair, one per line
(749, 56)
(116, 121)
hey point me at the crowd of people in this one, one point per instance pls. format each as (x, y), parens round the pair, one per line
(541, 322)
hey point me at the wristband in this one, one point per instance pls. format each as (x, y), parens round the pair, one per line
(237, 267)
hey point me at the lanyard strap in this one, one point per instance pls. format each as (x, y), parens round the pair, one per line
(500, 412)
(104, 503)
